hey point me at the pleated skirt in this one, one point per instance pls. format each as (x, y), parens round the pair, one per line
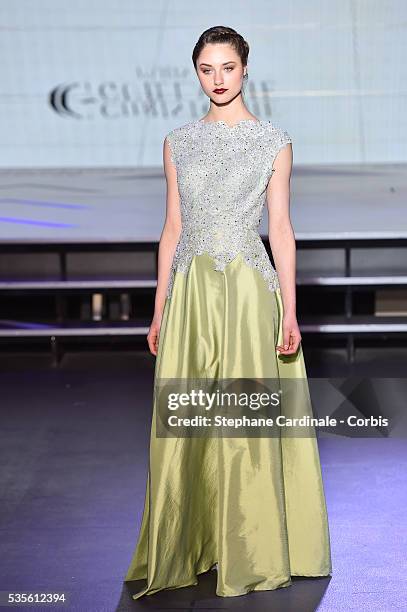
(254, 506)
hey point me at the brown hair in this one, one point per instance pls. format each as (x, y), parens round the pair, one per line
(222, 34)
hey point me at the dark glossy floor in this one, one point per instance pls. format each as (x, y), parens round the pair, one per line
(74, 443)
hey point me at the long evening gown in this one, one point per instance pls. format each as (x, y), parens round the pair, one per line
(254, 508)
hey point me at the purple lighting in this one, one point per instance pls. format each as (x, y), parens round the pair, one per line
(34, 222)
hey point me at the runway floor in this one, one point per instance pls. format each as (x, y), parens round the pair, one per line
(128, 204)
(74, 455)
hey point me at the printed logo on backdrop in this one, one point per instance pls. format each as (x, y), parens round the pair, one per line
(152, 96)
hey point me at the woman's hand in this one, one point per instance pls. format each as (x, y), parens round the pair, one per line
(291, 336)
(154, 333)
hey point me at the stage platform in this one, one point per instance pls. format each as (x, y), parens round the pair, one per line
(128, 205)
(78, 252)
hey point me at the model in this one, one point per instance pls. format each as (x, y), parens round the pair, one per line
(252, 508)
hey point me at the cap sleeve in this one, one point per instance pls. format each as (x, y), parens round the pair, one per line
(282, 138)
(279, 139)
(172, 144)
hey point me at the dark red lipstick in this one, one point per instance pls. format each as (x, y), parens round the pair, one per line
(219, 91)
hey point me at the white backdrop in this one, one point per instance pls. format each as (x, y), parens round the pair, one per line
(100, 83)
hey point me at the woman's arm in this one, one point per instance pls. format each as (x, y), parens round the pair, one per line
(171, 231)
(166, 249)
(282, 244)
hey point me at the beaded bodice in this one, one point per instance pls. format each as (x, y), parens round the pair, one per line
(222, 175)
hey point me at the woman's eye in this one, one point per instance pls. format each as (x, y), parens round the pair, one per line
(207, 70)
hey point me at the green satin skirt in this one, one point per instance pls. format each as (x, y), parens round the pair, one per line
(253, 506)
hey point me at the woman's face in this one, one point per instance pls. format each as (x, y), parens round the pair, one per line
(220, 72)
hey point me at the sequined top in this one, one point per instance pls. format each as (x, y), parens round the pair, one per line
(222, 175)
